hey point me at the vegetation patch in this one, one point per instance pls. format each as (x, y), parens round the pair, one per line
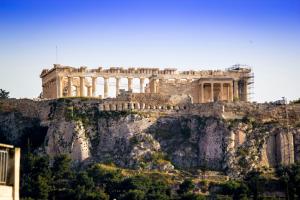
(114, 114)
(61, 180)
(159, 156)
(134, 141)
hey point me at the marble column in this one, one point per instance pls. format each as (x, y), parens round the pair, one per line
(157, 85)
(230, 91)
(106, 87)
(212, 92)
(77, 91)
(69, 86)
(89, 91)
(94, 83)
(142, 85)
(202, 93)
(137, 106)
(129, 84)
(221, 91)
(236, 89)
(245, 92)
(82, 86)
(130, 106)
(125, 106)
(154, 85)
(59, 87)
(117, 86)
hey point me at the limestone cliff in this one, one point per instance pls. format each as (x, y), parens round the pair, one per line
(232, 139)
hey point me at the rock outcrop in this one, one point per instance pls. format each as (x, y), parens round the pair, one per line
(235, 139)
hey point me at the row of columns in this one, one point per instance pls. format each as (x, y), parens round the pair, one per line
(91, 90)
(231, 89)
(233, 92)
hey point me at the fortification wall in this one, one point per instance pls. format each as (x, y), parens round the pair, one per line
(28, 108)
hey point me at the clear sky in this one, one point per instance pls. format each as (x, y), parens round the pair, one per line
(186, 34)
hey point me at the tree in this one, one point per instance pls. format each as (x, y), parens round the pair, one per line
(133, 195)
(256, 183)
(191, 196)
(61, 181)
(61, 166)
(109, 180)
(290, 178)
(157, 196)
(186, 186)
(136, 182)
(42, 188)
(152, 188)
(36, 178)
(159, 190)
(97, 194)
(62, 178)
(82, 185)
(236, 189)
(4, 94)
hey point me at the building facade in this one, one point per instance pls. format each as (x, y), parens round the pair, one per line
(202, 86)
(9, 172)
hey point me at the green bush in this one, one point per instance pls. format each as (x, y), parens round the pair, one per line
(133, 195)
(192, 196)
(186, 186)
(61, 181)
(256, 183)
(236, 189)
(289, 177)
(43, 178)
(4, 94)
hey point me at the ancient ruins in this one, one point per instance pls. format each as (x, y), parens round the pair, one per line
(202, 86)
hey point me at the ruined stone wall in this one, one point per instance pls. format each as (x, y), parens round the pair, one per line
(180, 88)
(61, 80)
(49, 84)
(27, 107)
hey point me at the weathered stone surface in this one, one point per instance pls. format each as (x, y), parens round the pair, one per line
(155, 140)
(297, 144)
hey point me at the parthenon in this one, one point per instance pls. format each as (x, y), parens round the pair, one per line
(202, 86)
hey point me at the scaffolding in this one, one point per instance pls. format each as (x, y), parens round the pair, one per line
(250, 85)
(247, 76)
(240, 68)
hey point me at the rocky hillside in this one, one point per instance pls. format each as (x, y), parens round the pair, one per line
(235, 138)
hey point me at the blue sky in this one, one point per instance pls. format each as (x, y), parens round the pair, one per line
(186, 34)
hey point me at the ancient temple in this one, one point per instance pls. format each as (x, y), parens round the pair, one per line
(202, 86)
